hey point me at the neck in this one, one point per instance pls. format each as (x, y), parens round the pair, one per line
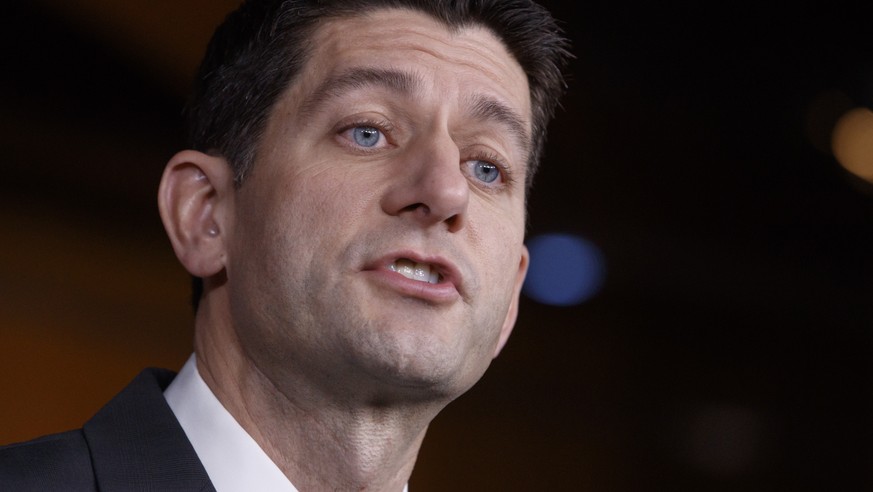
(318, 441)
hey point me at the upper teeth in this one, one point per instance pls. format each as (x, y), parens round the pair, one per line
(421, 272)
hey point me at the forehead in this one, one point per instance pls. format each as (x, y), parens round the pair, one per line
(461, 62)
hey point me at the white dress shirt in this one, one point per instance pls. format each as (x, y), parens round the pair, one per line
(232, 459)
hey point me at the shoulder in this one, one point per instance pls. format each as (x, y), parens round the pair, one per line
(71, 460)
(133, 443)
(54, 462)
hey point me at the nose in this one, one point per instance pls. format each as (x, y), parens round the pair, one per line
(429, 188)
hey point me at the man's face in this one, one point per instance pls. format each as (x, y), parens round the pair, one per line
(400, 150)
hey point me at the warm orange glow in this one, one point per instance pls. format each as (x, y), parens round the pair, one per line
(168, 36)
(852, 142)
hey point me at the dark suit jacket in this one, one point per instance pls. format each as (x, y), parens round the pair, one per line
(133, 443)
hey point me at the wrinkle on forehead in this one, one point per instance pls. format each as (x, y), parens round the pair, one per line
(356, 78)
(406, 34)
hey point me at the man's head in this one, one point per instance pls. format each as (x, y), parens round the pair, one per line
(360, 226)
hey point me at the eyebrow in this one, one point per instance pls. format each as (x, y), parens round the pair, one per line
(482, 106)
(357, 78)
(487, 108)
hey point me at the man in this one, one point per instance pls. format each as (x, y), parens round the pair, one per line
(354, 210)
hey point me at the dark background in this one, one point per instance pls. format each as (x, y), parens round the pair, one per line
(730, 348)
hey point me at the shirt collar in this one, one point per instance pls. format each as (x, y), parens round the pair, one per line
(231, 457)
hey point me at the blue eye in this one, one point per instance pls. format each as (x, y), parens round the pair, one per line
(485, 171)
(366, 136)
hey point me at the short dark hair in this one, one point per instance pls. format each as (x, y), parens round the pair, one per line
(261, 47)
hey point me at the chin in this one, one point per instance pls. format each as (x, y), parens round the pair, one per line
(420, 377)
(429, 355)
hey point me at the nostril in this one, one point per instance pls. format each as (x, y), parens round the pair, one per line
(453, 221)
(417, 207)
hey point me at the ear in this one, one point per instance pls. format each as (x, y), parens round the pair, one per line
(195, 201)
(512, 313)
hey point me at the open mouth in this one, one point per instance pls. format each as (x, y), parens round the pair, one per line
(420, 272)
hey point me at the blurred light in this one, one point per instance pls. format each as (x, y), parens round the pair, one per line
(852, 142)
(565, 270)
(822, 115)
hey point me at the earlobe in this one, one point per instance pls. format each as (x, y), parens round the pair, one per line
(194, 201)
(512, 313)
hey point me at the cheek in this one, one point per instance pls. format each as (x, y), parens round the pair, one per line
(499, 236)
(499, 252)
(329, 204)
(313, 217)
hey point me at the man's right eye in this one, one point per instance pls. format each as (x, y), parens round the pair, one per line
(366, 136)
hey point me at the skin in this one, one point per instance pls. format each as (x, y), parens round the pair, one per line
(334, 364)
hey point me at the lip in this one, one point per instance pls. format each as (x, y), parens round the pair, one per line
(448, 289)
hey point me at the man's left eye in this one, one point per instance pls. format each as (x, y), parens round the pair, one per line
(485, 171)
(366, 136)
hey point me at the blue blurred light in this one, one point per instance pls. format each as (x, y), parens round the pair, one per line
(565, 270)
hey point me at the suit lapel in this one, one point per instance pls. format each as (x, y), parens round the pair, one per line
(136, 442)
